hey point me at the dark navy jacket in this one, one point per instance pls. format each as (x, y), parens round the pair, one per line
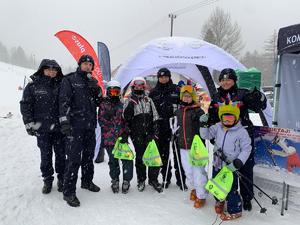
(40, 100)
(78, 102)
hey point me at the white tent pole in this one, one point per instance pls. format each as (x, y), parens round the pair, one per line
(276, 93)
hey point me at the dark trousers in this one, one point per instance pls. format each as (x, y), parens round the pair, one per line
(140, 144)
(246, 188)
(80, 149)
(234, 204)
(164, 150)
(49, 142)
(114, 166)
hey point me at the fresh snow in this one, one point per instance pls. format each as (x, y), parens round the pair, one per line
(22, 202)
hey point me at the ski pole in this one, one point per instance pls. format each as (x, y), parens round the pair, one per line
(179, 167)
(273, 199)
(262, 209)
(168, 164)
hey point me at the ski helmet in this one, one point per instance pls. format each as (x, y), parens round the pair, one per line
(113, 88)
(188, 89)
(86, 58)
(227, 111)
(138, 81)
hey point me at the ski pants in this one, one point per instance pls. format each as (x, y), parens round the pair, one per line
(246, 188)
(196, 175)
(234, 204)
(140, 144)
(164, 150)
(114, 166)
(80, 148)
(47, 143)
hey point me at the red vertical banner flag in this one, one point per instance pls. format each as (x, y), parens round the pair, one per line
(78, 46)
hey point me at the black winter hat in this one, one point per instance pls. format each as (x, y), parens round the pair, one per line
(86, 58)
(228, 73)
(163, 72)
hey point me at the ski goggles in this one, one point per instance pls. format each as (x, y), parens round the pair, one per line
(228, 118)
(114, 92)
(187, 88)
(139, 83)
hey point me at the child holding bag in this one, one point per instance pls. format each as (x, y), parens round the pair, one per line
(188, 121)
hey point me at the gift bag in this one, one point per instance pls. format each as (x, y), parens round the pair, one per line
(151, 156)
(122, 151)
(198, 155)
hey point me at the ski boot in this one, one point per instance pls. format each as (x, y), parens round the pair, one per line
(125, 186)
(115, 186)
(90, 186)
(141, 186)
(72, 200)
(157, 186)
(247, 205)
(199, 203)
(47, 188)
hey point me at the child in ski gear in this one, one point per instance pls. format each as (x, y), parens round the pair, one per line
(253, 100)
(188, 121)
(113, 125)
(39, 108)
(165, 95)
(232, 148)
(141, 116)
(79, 98)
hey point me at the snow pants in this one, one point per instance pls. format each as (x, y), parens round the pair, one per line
(234, 204)
(114, 166)
(47, 143)
(80, 148)
(140, 144)
(196, 176)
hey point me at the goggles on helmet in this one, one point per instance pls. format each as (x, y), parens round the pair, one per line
(187, 88)
(115, 91)
(139, 83)
(228, 118)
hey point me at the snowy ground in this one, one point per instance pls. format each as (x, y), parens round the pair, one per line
(21, 200)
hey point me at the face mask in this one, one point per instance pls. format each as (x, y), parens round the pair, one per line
(138, 92)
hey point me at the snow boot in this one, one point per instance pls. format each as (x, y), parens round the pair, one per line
(219, 207)
(157, 186)
(193, 195)
(72, 200)
(115, 186)
(247, 205)
(180, 186)
(60, 185)
(226, 217)
(47, 188)
(90, 186)
(167, 184)
(199, 203)
(125, 186)
(141, 186)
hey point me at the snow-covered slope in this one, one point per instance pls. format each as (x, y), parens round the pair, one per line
(21, 200)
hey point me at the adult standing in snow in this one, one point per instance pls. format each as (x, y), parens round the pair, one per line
(253, 100)
(164, 95)
(113, 126)
(141, 116)
(39, 108)
(79, 97)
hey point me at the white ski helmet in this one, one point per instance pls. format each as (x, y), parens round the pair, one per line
(113, 83)
(137, 80)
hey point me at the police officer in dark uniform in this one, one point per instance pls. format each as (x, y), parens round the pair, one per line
(39, 108)
(253, 100)
(79, 97)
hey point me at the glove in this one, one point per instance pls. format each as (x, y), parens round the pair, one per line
(32, 128)
(203, 118)
(124, 139)
(219, 153)
(235, 165)
(65, 128)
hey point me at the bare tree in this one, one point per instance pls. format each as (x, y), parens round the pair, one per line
(219, 30)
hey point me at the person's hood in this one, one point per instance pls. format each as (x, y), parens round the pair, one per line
(44, 64)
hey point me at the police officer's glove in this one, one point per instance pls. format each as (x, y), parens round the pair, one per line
(203, 120)
(93, 86)
(65, 128)
(124, 139)
(235, 165)
(32, 128)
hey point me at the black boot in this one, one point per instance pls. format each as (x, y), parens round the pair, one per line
(185, 188)
(60, 185)
(115, 186)
(100, 156)
(141, 186)
(157, 186)
(167, 184)
(125, 186)
(72, 200)
(47, 188)
(90, 186)
(247, 205)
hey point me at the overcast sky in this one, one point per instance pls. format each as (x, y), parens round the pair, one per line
(126, 24)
